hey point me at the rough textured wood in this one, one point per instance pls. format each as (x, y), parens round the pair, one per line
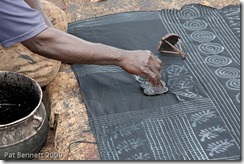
(63, 99)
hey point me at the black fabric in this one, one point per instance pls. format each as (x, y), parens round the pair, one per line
(199, 118)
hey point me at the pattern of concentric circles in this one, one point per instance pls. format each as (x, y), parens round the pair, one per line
(195, 24)
(233, 84)
(210, 48)
(189, 12)
(202, 36)
(228, 72)
(218, 61)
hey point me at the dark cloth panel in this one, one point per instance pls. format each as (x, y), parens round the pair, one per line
(130, 24)
(199, 118)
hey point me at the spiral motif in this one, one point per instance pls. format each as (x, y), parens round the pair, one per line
(218, 61)
(233, 84)
(195, 24)
(189, 13)
(228, 72)
(210, 48)
(202, 36)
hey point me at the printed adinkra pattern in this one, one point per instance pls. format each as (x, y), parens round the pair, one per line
(199, 118)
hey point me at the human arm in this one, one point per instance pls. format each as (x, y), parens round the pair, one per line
(70, 49)
(59, 45)
(33, 33)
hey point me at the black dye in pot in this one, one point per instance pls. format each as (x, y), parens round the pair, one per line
(17, 101)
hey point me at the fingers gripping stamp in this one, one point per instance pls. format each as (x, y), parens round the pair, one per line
(170, 44)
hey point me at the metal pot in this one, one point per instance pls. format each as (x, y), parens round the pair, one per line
(23, 118)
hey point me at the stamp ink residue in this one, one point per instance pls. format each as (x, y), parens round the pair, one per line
(16, 102)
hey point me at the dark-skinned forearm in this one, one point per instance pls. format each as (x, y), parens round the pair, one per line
(64, 47)
(61, 46)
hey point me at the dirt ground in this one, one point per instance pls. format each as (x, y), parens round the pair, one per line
(84, 9)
